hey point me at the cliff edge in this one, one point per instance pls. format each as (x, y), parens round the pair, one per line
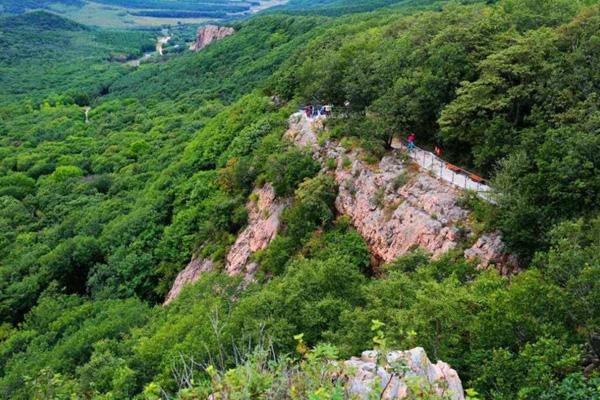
(207, 34)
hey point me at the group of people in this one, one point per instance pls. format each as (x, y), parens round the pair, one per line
(313, 111)
(411, 145)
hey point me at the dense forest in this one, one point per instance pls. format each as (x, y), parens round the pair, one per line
(98, 218)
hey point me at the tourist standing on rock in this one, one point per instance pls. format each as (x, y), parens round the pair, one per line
(411, 142)
(308, 110)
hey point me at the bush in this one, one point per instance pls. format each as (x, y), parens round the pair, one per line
(400, 180)
(287, 170)
(312, 208)
(17, 185)
(64, 173)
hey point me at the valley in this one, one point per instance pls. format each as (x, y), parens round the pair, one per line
(144, 14)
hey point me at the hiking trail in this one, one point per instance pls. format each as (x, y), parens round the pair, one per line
(443, 170)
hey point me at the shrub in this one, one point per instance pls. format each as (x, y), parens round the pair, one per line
(66, 172)
(378, 198)
(331, 164)
(286, 170)
(400, 180)
(17, 185)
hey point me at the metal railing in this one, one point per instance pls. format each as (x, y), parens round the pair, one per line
(452, 174)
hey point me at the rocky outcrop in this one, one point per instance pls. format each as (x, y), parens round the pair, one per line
(189, 276)
(209, 33)
(397, 219)
(389, 379)
(264, 219)
(395, 206)
(263, 223)
(489, 249)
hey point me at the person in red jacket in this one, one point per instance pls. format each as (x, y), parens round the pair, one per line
(411, 142)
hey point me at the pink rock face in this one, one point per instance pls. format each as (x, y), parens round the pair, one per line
(490, 250)
(189, 276)
(263, 224)
(421, 213)
(210, 33)
(394, 206)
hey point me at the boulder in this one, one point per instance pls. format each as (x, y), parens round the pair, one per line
(489, 250)
(393, 377)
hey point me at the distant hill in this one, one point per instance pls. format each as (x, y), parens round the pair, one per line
(131, 13)
(21, 6)
(40, 44)
(39, 20)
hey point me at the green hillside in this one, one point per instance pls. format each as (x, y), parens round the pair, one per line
(21, 6)
(46, 54)
(98, 218)
(341, 7)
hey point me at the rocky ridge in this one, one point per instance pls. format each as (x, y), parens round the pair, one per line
(395, 206)
(188, 276)
(264, 218)
(263, 223)
(207, 34)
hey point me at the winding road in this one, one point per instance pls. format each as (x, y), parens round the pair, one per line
(160, 44)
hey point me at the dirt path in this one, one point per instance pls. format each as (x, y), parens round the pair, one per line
(87, 110)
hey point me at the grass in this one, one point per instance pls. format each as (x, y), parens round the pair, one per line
(346, 163)
(331, 164)
(400, 180)
(378, 198)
